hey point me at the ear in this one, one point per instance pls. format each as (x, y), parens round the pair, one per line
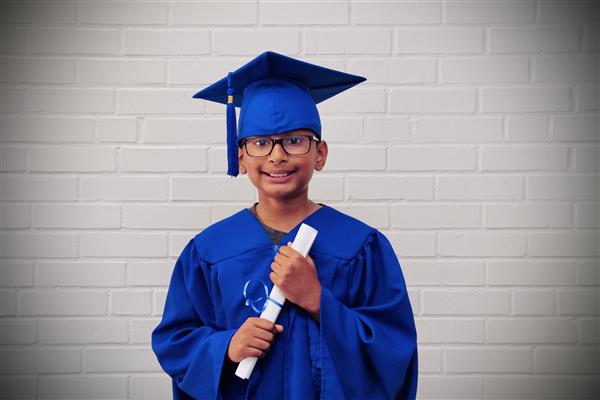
(242, 167)
(322, 151)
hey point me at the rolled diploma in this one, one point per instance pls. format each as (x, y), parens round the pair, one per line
(302, 243)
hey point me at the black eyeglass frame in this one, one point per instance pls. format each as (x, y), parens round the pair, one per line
(280, 142)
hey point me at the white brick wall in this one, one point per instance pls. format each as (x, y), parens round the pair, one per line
(473, 146)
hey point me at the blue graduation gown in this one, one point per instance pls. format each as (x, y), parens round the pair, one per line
(365, 346)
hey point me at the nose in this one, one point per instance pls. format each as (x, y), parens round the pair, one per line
(278, 154)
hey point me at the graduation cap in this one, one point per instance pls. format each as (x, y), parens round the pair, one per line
(276, 94)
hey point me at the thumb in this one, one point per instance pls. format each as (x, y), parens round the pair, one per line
(279, 328)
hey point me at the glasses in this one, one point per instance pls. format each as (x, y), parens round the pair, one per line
(292, 145)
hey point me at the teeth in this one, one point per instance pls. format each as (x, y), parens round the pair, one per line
(278, 175)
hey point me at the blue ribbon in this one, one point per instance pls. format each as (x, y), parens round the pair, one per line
(252, 302)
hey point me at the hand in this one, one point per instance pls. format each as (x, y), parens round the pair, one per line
(252, 339)
(297, 278)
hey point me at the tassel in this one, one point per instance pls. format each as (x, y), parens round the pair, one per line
(232, 148)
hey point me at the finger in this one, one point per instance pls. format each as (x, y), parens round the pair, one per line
(264, 324)
(259, 344)
(264, 335)
(274, 278)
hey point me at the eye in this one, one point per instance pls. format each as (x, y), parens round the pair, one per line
(259, 142)
(295, 140)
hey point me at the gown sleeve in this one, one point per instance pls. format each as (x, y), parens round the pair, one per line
(187, 345)
(372, 340)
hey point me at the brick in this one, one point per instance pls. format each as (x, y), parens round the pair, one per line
(72, 159)
(29, 188)
(588, 215)
(166, 42)
(383, 129)
(588, 330)
(482, 244)
(488, 360)
(489, 12)
(590, 37)
(562, 187)
(588, 273)
(576, 127)
(123, 188)
(438, 40)
(213, 13)
(14, 40)
(450, 387)
(567, 360)
(18, 387)
(40, 360)
(465, 302)
(435, 216)
(326, 188)
(430, 360)
(141, 330)
(395, 70)
(458, 129)
(64, 302)
(145, 387)
(395, 13)
(130, 303)
(586, 160)
(217, 159)
(82, 331)
(489, 187)
(534, 39)
(563, 68)
(347, 41)
(252, 41)
(432, 100)
(158, 101)
(83, 273)
(166, 216)
(79, 100)
(355, 101)
(160, 298)
(211, 188)
(123, 13)
(379, 187)
(116, 129)
(13, 100)
(16, 273)
(531, 273)
(18, 331)
(145, 273)
(376, 215)
(569, 11)
(200, 71)
(298, 13)
(128, 71)
(183, 131)
(525, 99)
(34, 129)
(356, 158)
(122, 244)
(527, 128)
(530, 387)
(83, 387)
(38, 70)
(588, 387)
(523, 158)
(10, 302)
(51, 245)
(176, 159)
(454, 330)
(578, 301)
(534, 302)
(492, 69)
(432, 158)
(530, 330)
(14, 159)
(532, 215)
(39, 13)
(412, 244)
(74, 41)
(121, 359)
(447, 273)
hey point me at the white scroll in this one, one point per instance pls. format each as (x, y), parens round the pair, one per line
(302, 243)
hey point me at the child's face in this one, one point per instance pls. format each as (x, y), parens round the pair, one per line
(298, 169)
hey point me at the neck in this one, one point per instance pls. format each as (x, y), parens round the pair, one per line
(284, 214)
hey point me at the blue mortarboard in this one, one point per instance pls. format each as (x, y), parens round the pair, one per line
(277, 94)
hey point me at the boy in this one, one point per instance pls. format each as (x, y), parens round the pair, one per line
(346, 330)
